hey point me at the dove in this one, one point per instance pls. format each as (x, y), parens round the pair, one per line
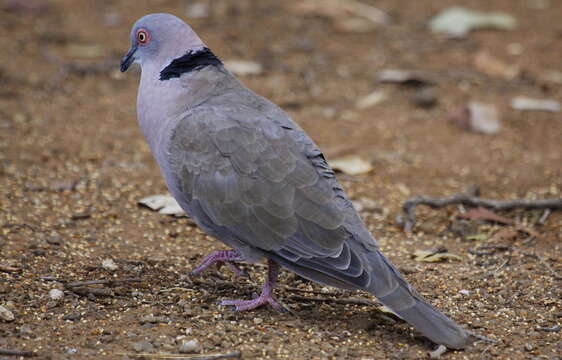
(249, 176)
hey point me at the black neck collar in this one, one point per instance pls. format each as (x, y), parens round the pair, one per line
(193, 60)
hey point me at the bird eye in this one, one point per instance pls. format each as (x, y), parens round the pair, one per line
(142, 36)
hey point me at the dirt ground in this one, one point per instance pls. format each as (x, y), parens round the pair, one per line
(73, 165)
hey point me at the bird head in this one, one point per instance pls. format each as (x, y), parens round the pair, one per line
(159, 38)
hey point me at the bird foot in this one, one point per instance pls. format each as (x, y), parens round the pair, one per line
(266, 296)
(263, 299)
(222, 257)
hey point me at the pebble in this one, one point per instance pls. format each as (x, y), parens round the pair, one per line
(143, 346)
(258, 320)
(56, 294)
(190, 346)
(109, 264)
(6, 314)
(54, 240)
(464, 292)
(72, 317)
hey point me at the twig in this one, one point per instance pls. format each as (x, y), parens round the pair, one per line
(478, 250)
(554, 328)
(544, 216)
(10, 352)
(493, 272)
(109, 282)
(318, 292)
(466, 199)
(230, 355)
(436, 354)
(482, 337)
(352, 301)
(9, 269)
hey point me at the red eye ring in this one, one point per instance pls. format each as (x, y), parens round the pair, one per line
(142, 36)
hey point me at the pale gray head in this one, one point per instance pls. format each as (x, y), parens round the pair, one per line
(160, 38)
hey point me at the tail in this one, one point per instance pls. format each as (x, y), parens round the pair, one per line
(394, 292)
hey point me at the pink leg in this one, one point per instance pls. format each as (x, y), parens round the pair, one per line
(221, 256)
(266, 296)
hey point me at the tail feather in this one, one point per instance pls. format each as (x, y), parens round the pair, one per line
(407, 303)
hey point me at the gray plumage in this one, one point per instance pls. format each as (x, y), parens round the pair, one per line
(251, 177)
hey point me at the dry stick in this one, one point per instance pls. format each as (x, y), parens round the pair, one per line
(9, 269)
(318, 292)
(465, 199)
(544, 216)
(353, 301)
(109, 282)
(10, 352)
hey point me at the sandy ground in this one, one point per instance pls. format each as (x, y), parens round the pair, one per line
(73, 165)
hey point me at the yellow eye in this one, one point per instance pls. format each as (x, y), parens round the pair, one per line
(142, 36)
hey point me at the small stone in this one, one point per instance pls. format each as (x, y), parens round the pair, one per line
(25, 330)
(143, 346)
(425, 97)
(52, 304)
(56, 294)
(39, 252)
(258, 320)
(109, 264)
(190, 346)
(54, 240)
(529, 347)
(464, 292)
(6, 314)
(72, 317)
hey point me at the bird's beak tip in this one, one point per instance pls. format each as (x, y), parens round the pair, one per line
(128, 59)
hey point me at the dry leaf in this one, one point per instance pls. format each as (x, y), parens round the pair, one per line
(481, 213)
(164, 204)
(505, 234)
(6, 314)
(458, 21)
(351, 165)
(477, 117)
(493, 66)
(434, 255)
(372, 99)
(529, 104)
(243, 67)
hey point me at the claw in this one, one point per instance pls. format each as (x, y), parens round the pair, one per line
(266, 296)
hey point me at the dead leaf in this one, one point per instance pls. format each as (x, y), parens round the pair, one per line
(458, 22)
(243, 67)
(493, 66)
(529, 104)
(481, 213)
(164, 204)
(372, 99)
(435, 255)
(351, 165)
(477, 117)
(505, 234)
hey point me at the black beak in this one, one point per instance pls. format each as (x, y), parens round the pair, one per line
(128, 59)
